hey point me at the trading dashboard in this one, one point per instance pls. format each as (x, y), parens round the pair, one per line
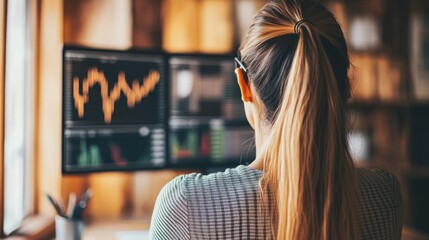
(131, 110)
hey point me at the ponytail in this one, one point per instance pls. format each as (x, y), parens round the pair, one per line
(308, 170)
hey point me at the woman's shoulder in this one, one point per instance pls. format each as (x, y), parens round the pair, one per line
(380, 202)
(381, 182)
(193, 196)
(195, 182)
(379, 175)
(172, 194)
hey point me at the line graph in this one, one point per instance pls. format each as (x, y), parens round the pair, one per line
(134, 94)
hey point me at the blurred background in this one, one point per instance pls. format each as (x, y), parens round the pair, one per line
(389, 112)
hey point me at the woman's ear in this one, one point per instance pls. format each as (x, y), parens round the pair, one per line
(246, 93)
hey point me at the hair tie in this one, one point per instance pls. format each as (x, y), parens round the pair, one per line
(299, 23)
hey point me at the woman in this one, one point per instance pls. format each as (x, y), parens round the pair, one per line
(303, 183)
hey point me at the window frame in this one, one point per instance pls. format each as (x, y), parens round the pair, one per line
(31, 74)
(30, 124)
(3, 11)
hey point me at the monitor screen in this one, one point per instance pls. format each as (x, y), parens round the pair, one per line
(130, 110)
(207, 121)
(114, 110)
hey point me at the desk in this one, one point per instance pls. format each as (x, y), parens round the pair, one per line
(116, 230)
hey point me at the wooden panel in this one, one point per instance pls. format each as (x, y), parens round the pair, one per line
(73, 184)
(198, 26)
(216, 26)
(180, 26)
(48, 157)
(112, 195)
(2, 79)
(98, 23)
(147, 24)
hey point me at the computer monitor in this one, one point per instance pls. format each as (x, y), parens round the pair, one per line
(207, 121)
(114, 110)
(134, 110)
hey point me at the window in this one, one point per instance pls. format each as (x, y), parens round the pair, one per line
(18, 117)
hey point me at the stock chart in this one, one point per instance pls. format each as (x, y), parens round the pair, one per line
(114, 110)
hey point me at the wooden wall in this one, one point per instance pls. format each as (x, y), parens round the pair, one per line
(146, 22)
(98, 23)
(198, 26)
(48, 113)
(115, 24)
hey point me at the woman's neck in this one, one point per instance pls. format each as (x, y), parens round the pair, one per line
(261, 132)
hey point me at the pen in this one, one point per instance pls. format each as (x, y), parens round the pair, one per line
(81, 204)
(55, 205)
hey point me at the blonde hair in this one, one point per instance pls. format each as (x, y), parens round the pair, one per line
(301, 80)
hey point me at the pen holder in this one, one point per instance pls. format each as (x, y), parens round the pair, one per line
(68, 229)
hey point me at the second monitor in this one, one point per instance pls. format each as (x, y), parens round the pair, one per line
(207, 120)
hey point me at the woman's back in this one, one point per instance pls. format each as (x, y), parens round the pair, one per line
(292, 72)
(225, 205)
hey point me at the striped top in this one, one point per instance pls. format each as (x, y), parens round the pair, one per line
(225, 205)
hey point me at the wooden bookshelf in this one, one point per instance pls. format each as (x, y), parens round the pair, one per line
(394, 105)
(391, 105)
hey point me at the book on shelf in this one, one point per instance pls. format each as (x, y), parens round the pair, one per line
(359, 137)
(420, 54)
(363, 77)
(389, 79)
(375, 77)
